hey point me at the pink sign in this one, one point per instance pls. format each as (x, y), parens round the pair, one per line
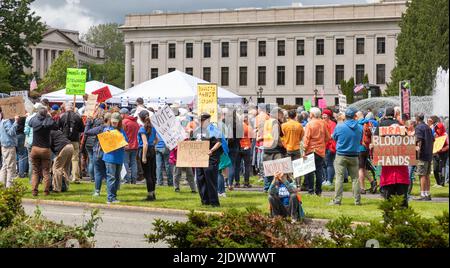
(322, 104)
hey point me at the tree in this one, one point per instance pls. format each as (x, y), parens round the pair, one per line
(365, 91)
(5, 72)
(56, 76)
(19, 29)
(423, 46)
(111, 38)
(112, 73)
(347, 89)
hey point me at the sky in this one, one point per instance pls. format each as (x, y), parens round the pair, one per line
(79, 15)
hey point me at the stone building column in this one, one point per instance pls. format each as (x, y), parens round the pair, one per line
(49, 59)
(42, 64)
(34, 64)
(128, 67)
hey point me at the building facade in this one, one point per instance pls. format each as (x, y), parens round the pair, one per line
(55, 42)
(291, 53)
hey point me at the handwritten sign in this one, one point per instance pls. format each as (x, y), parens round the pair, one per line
(23, 93)
(111, 140)
(103, 94)
(12, 106)
(168, 127)
(304, 166)
(439, 143)
(207, 100)
(405, 99)
(394, 150)
(193, 154)
(283, 165)
(307, 105)
(90, 105)
(322, 104)
(75, 81)
(342, 103)
(392, 130)
(124, 101)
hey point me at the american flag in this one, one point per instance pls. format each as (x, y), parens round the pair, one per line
(358, 88)
(33, 84)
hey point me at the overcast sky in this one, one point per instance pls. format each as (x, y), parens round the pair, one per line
(81, 14)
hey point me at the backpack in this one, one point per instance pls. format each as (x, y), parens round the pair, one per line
(69, 126)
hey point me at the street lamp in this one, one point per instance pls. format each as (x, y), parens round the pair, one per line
(316, 103)
(259, 94)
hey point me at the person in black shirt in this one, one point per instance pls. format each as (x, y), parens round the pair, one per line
(22, 153)
(63, 149)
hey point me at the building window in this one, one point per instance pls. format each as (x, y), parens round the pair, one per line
(319, 74)
(359, 77)
(224, 76)
(359, 46)
(300, 47)
(299, 101)
(281, 75)
(261, 75)
(281, 47)
(320, 49)
(207, 50)
(154, 51)
(262, 48)
(339, 74)
(339, 46)
(189, 70)
(242, 76)
(280, 101)
(172, 52)
(171, 70)
(300, 75)
(381, 45)
(225, 50)
(243, 48)
(189, 50)
(153, 73)
(98, 53)
(381, 74)
(207, 74)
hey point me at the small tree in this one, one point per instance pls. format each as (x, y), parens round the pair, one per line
(56, 76)
(111, 72)
(347, 89)
(365, 91)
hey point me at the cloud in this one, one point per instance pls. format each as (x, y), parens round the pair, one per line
(70, 15)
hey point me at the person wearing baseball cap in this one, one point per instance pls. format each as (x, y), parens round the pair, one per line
(131, 128)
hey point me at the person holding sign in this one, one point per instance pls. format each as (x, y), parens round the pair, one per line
(8, 140)
(147, 140)
(284, 199)
(440, 157)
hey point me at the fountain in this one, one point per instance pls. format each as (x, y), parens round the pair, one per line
(440, 93)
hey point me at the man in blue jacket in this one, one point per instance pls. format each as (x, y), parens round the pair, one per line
(347, 135)
(8, 140)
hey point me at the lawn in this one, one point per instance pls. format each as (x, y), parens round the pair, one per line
(315, 207)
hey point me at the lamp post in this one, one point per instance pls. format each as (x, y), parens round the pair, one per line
(315, 97)
(259, 94)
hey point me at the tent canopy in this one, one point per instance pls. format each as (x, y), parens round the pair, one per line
(60, 95)
(175, 86)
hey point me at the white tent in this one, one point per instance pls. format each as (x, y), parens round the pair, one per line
(175, 86)
(60, 95)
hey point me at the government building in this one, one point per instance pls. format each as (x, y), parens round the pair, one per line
(289, 54)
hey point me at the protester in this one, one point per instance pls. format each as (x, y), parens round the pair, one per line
(367, 123)
(283, 198)
(348, 137)
(22, 154)
(131, 128)
(8, 141)
(63, 149)
(424, 140)
(162, 160)
(54, 112)
(147, 139)
(91, 140)
(72, 126)
(410, 127)
(179, 170)
(330, 152)
(232, 152)
(40, 155)
(260, 120)
(316, 138)
(293, 134)
(440, 158)
(29, 136)
(245, 153)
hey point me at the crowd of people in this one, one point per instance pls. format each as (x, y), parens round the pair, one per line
(57, 145)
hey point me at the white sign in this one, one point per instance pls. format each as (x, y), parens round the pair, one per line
(124, 101)
(280, 165)
(23, 93)
(304, 166)
(342, 103)
(168, 127)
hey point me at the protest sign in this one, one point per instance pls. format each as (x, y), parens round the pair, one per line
(342, 103)
(439, 143)
(75, 81)
(111, 140)
(12, 106)
(304, 166)
(283, 165)
(307, 105)
(405, 99)
(168, 127)
(124, 101)
(322, 104)
(103, 94)
(23, 93)
(394, 150)
(207, 100)
(90, 105)
(193, 154)
(392, 130)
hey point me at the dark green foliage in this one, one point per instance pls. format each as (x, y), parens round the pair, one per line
(10, 204)
(112, 73)
(55, 78)
(110, 38)
(5, 72)
(347, 89)
(422, 46)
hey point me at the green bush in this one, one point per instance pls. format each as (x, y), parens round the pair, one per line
(10, 203)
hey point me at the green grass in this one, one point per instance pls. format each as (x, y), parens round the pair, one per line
(315, 207)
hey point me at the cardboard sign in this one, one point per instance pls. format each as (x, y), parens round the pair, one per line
(392, 130)
(23, 93)
(342, 103)
(168, 127)
(439, 143)
(103, 94)
(405, 99)
(394, 150)
(207, 100)
(111, 140)
(322, 104)
(193, 154)
(12, 106)
(283, 165)
(304, 166)
(307, 105)
(75, 81)
(90, 105)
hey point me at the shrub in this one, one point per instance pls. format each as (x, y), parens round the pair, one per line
(10, 203)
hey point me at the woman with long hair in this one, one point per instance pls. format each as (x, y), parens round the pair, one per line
(147, 139)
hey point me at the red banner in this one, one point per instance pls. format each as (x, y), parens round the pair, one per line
(103, 94)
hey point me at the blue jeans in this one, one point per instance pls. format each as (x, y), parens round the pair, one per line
(162, 156)
(99, 173)
(130, 163)
(329, 166)
(220, 183)
(22, 156)
(233, 154)
(112, 180)
(91, 172)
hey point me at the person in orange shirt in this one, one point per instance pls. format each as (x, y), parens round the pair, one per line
(245, 150)
(316, 138)
(293, 133)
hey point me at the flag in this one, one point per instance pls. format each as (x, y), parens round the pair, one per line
(33, 84)
(358, 88)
